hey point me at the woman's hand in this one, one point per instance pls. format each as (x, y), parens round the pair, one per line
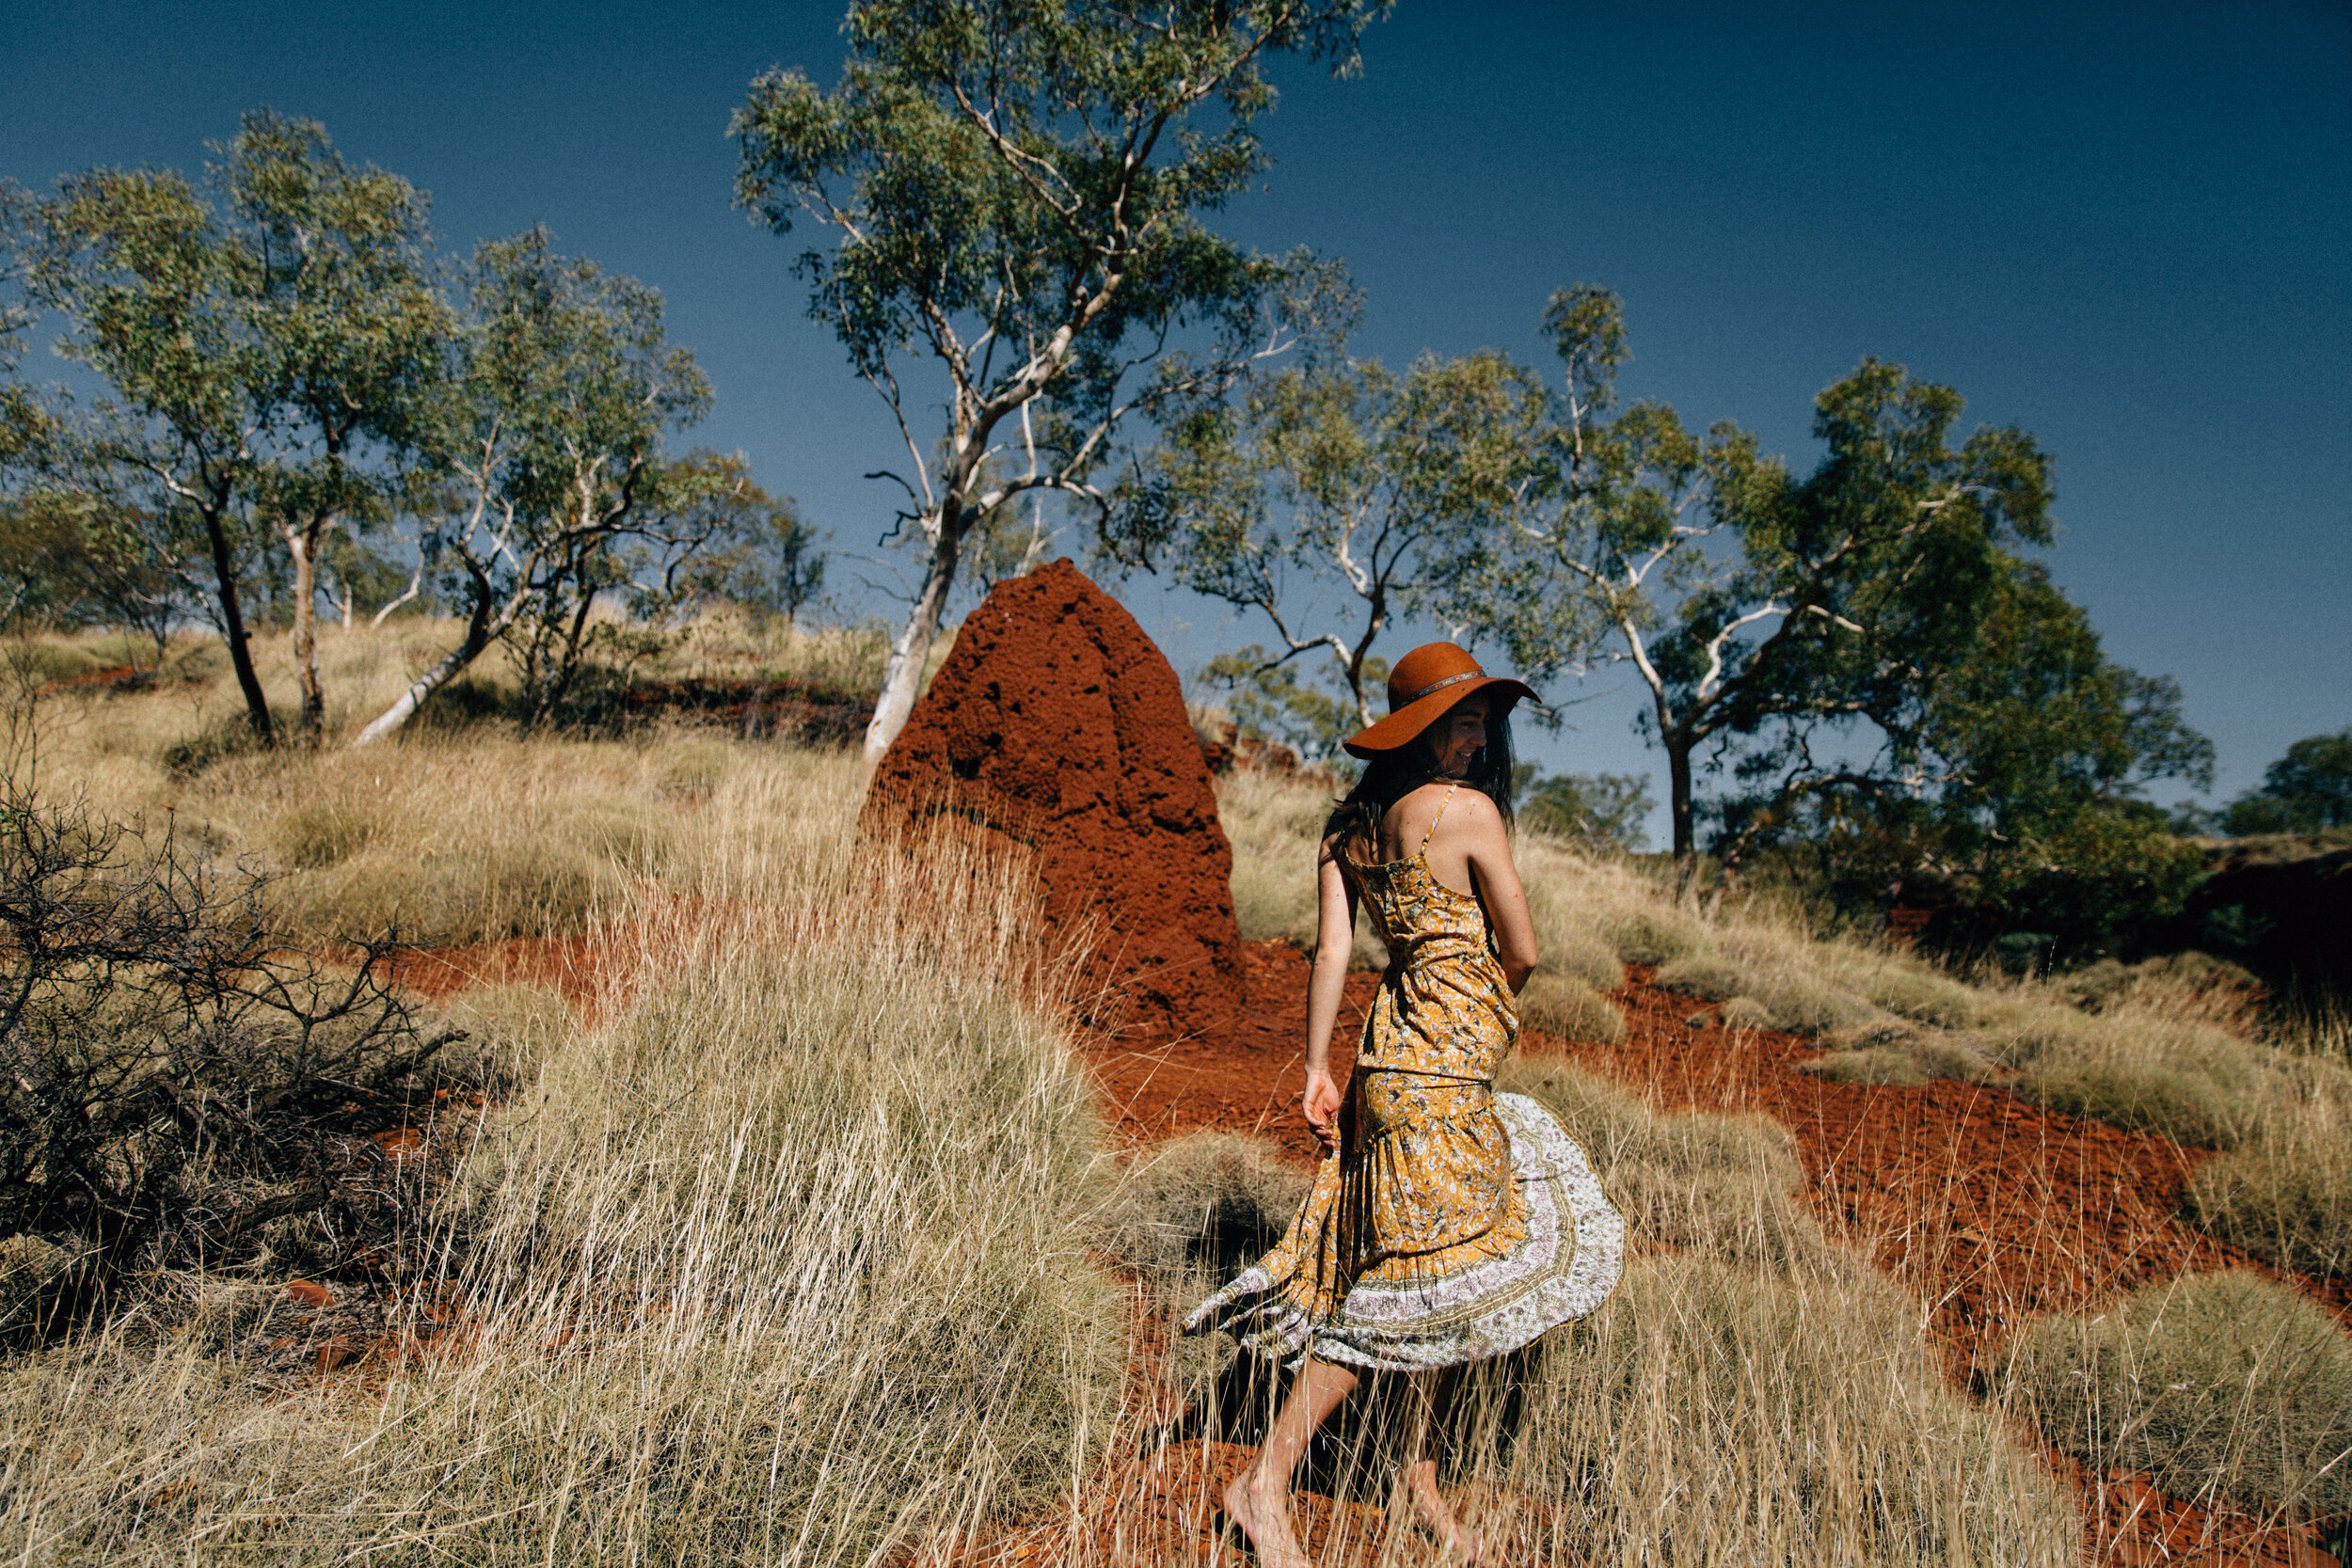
(1321, 1103)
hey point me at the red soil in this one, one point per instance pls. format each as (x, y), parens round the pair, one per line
(573, 966)
(1993, 1210)
(1055, 726)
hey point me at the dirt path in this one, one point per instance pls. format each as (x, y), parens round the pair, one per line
(1993, 1210)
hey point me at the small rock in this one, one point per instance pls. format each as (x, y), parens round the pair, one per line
(303, 1292)
(337, 1353)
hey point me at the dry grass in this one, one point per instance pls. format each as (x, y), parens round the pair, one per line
(785, 1256)
(2285, 1193)
(1275, 825)
(1570, 1009)
(2219, 1384)
(1752, 1394)
(781, 1261)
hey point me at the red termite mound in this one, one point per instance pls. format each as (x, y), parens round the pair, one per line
(1058, 724)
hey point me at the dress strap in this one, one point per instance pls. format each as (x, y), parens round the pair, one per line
(1433, 821)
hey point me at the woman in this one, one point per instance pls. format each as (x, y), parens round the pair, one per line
(1447, 1224)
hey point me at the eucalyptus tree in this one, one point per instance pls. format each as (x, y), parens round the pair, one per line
(24, 425)
(268, 346)
(1745, 598)
(2307, 790)
(1014, 191)
(546, 448)
(2012, 778)
(1332, 498)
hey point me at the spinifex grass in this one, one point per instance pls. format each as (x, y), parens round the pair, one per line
(781, 1260)
(1752, 1394)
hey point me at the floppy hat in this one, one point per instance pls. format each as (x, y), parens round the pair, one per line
(1423, 686)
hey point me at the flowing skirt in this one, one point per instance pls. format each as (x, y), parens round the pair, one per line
(1452, 1223)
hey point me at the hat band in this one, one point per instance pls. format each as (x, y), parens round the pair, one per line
(1472, 673)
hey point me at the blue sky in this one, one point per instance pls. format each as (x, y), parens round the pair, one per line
(2126, 229)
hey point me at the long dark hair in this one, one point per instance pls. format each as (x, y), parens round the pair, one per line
(1355, 821)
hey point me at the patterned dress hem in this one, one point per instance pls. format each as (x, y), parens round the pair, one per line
(1569, 1264)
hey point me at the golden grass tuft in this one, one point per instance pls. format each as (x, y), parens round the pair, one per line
(784, 1258)
(1274, 825)
(2219, 1385)
(1564, 1005)
(2285, 1193)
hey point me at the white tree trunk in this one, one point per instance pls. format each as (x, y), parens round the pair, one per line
(479, 635)
(415, 582)
(903, 674)
(301, 544)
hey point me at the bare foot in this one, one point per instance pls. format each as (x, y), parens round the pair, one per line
(1264, 1517)
(1438, 1516)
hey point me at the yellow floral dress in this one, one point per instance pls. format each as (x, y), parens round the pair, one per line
(1452, 1222)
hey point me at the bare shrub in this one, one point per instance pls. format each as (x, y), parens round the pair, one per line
(1571, 1009)
(2216, 1383)
(178, 1082)
(784, 1260)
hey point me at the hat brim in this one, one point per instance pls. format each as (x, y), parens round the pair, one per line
(1401, 727)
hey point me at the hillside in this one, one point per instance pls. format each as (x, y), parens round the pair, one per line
(777, 1212)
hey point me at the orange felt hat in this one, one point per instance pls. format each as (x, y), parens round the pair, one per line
(1422, 687)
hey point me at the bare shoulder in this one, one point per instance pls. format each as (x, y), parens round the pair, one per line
(1473, 809)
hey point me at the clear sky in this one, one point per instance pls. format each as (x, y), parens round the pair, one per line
(2126, 229)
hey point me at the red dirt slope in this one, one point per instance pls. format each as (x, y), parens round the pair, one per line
(1992, 1208)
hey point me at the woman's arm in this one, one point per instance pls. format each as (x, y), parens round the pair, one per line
(1487, 848)
(1335, 938)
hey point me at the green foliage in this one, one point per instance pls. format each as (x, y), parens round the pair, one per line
(2224, 1384)
(1862, 649)
(1015, 194)
(1598, 810)
(1269, 702)
(70, 564)
(1337, 481)
(545, 492)
(271, 343)
(2304, 791)
(2037, 749)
